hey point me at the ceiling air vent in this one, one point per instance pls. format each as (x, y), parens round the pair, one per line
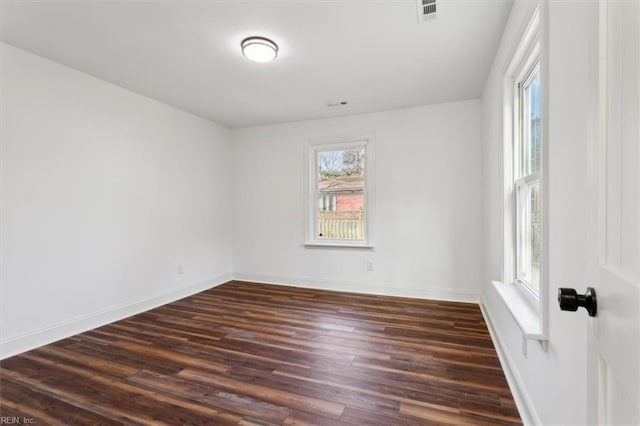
(426, 10)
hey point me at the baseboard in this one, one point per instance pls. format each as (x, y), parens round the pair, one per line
(33, 339)
(521, 397)
(399, 290)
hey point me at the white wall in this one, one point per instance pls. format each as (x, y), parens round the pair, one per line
(104, 193)
(429, 204)
(552, 382)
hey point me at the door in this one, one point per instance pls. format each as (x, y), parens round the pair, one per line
(613, 335)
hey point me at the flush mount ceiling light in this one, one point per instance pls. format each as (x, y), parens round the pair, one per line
(259, 49)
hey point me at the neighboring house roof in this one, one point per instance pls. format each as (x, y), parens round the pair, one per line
(346, 184)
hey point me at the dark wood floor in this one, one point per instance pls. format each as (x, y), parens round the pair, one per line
(245, 353)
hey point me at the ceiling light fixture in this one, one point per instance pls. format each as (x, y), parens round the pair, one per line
(259, 49)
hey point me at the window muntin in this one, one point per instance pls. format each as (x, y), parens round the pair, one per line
(527, 162)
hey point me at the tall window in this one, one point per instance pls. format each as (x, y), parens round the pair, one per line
(524, 287)
(339, 192)
(527, 160)
(523, 149)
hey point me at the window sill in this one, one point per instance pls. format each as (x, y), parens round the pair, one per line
(338, 244)
(526, 316)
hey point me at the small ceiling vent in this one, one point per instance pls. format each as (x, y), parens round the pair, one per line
(426, 10)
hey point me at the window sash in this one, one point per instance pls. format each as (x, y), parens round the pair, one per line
(527, 240)
(522, 130)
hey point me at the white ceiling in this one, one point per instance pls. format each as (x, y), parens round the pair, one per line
(373, 54)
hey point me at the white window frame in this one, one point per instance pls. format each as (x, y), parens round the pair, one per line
(311, 205)
(528, 308)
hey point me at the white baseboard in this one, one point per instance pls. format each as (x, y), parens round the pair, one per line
(432, 293)
(516, 384)
(36, 338)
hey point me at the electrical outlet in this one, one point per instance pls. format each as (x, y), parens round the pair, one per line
(180, 269)
(370, 265)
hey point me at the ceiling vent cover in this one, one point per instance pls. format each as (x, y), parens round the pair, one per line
(426, 10)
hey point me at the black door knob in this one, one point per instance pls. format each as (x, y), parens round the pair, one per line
(570, 300)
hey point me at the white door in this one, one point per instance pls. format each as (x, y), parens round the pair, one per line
(613, 336)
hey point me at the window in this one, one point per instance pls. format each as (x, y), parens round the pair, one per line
(523, 149)
(339, 200)
(526, 161)
(523, 288)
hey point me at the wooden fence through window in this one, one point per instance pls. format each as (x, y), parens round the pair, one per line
(336, 225)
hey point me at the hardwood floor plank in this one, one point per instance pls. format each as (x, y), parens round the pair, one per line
(210, 396)
(103, 366)
(432, 375)
(433, 416)
(250, 421)
(413, 384)
(118, 400)
(503, 413)
(338, 393)
(357, 416)
(113, 353)
(300, 418)
(254, 354)
(314, 346)
(265, 393)
(390, 392)
(42, 408)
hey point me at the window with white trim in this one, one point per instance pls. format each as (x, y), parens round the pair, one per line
(523, 288)
(339, 196)
(523, 166)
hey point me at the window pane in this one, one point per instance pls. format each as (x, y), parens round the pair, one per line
(346, 222)
(335, 164)
(529, 235)
(531, 124)
(340, 194)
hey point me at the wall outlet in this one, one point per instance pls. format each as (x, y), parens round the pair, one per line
(180, 269)
(370, 265)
